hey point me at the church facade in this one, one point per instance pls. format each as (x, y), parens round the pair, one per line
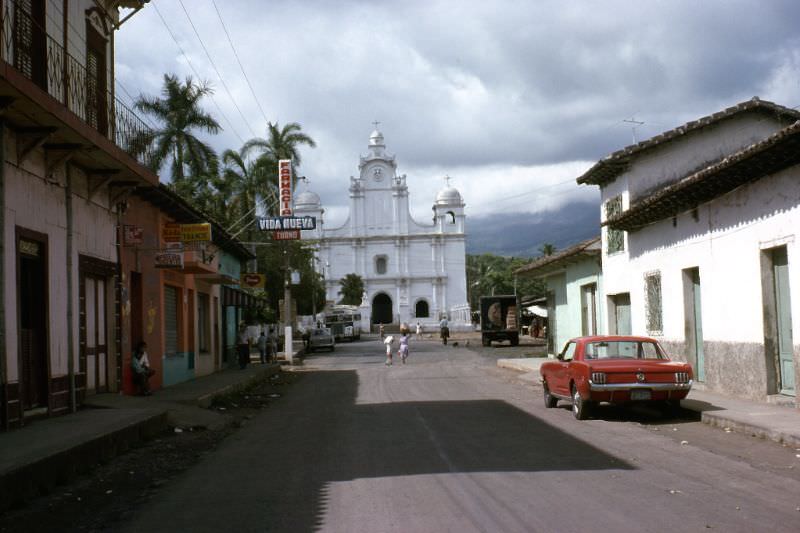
(412, 272)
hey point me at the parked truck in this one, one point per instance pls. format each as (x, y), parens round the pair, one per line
(500, 319)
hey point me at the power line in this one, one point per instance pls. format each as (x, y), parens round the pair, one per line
(214, 66)
(230, 41)
(188, 62)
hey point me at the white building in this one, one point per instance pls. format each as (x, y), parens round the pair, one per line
(700, 246)
(411, 271)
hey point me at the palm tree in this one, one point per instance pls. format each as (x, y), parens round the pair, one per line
(281, 143)
(179, 112)
(352, 289)
(547, 248)
(246, 182)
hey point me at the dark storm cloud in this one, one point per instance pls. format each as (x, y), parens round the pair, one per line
(472, 87)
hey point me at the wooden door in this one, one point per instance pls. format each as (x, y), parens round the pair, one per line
(95, 332)
(32, 305)
(783, 313)
(697, 308)
(96, 84)
(622, 312)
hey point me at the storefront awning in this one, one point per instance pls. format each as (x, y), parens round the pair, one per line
(217, 279)
(537, 310)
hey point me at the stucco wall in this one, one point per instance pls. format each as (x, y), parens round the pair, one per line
(724, 239)
(38, 205)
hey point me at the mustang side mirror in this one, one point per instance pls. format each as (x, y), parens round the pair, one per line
(560, 357)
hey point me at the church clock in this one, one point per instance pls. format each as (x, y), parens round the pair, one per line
(377, 173)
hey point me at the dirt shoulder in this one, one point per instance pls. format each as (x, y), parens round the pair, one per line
(116, 490)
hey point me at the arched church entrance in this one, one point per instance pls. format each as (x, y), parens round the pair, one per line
(382, 309)
(421, 309)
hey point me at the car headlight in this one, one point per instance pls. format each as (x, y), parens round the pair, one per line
(599, 378)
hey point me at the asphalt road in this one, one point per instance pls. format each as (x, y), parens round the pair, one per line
(448, 442)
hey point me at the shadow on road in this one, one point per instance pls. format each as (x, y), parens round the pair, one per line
(334, 440)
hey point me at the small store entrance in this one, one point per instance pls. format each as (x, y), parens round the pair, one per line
(33, 338)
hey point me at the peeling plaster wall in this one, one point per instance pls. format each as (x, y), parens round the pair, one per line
(38, 205)
(724, 239)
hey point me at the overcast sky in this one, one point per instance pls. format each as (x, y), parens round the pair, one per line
(513, 99)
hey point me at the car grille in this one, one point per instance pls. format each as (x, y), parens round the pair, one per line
(599, 378)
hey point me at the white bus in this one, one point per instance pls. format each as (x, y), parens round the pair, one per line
(344, 322)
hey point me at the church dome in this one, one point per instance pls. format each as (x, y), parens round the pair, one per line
(307, 200)
(449, 196)
(376, 138)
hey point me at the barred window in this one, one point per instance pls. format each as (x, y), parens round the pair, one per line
(652, 289)
(616, 237)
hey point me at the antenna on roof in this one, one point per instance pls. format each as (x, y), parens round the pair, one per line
(635, 123)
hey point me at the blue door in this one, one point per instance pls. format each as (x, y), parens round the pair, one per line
(783, 311)
(700, 365)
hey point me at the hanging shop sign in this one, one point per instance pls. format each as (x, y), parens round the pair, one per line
(285, 187)
(283, 223)
(171, 232)
(174, 232)
(252, 280)
(196, 232)
(132, 235)
(169, 259)
(286, 235)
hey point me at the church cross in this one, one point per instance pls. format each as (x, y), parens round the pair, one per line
(447, 180)
(375, 123)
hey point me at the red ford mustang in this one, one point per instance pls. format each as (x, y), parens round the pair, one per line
(613, 369)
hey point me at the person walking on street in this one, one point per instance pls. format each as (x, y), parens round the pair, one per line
(381, 330)
(273, 343)
(262, 347)
(243, 346)
(141, 369)
(403, 351)
(388, 342)
(419, 330)
(444, 330)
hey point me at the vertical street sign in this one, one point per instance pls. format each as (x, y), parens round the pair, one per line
(285, 187)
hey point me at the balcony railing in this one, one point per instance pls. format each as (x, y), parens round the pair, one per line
(26, 46)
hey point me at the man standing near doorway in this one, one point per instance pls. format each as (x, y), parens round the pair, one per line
(243, 346)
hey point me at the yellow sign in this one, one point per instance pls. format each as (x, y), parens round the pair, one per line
(196, 232)
(171, 232)
(253, 281)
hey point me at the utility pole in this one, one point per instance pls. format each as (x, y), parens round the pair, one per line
(287, 309)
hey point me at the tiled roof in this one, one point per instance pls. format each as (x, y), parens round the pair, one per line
(618, 162)
(559, 259)
(775, 153)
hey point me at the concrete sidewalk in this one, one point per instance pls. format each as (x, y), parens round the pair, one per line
(52, 451)
(775, 422)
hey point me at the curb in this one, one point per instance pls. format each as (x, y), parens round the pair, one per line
(207, 399)
(43, 475)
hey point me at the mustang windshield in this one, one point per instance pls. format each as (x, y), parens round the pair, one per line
(623, 350)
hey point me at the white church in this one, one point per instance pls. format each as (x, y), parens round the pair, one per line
(412, 272)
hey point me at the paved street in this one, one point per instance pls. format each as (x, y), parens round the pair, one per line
(449, 442)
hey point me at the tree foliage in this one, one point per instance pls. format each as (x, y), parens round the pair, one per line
(352, 289)
(179, 113)
(235, 195)
(489, 274)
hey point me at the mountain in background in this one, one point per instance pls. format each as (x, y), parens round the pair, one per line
(521, 234)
